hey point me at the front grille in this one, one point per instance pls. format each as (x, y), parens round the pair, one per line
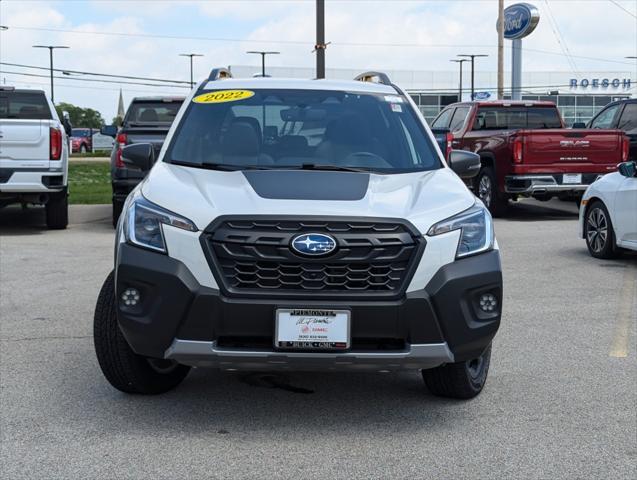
(252, 256)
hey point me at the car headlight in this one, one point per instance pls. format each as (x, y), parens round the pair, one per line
(476, 228)
(144, 220)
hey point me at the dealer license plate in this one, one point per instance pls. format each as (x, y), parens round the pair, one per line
(309, 328)
(572, 178)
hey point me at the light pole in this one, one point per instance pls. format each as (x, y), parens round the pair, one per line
(460, 62)
(191, 55)
(472, 57)
(320, 46)
(51, 48)
(263, 54)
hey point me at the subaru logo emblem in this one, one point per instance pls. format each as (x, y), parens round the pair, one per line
(313, 244)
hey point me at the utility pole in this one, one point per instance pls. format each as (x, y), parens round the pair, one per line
(320, 39)
(51, 48)
(263, 54)
(460, 62)
(192, 84)
(500, 49)
(473, 57)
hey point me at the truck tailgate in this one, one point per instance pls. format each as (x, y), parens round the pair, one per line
(576, 150)
(152, 135)
(24, 141)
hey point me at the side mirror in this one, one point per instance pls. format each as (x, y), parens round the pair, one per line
(628, 169)
(579, 125)
(465, 164)
(109, 130)
(140, 156)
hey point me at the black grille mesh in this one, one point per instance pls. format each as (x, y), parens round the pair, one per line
(254, 256)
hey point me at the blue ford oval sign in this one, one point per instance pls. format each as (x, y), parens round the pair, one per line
(481, 96)
(520, 20)
(313, 244)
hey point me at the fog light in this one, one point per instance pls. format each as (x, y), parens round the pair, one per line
(130, 297)
(488, 302)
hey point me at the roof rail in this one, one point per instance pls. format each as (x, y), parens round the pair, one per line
(219, 73)
(370, 76)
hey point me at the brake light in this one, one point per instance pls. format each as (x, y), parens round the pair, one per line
(625, 148)
(449, 139)
(55, 143)
(518, 147)
(121, 140)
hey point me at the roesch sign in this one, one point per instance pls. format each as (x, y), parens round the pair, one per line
(520, 20)
(624, 83)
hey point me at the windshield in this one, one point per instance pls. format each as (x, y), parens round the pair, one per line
(302, 128)
(152, 113)
(81, 132)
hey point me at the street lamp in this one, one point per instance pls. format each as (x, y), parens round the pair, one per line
(191, 55)
(263, 54)
(472, 57)
(460, 62)
(51, 48)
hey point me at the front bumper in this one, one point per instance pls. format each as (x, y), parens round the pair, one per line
(548, 184)
(177, 318)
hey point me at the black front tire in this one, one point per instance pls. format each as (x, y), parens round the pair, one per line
(598, 232)
(118, 206)
(462, 380)
(486, 189)
(57, 211)
(123, 368)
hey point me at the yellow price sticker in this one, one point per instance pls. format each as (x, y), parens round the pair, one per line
(222, 96)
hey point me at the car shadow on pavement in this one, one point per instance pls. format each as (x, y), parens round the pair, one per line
(15, 221)
(533, 210)
(286, 404)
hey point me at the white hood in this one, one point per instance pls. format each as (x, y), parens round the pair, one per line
(422, 198)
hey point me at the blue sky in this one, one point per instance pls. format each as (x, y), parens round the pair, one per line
(414, 35)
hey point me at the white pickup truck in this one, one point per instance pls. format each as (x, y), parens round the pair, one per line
(34, 154)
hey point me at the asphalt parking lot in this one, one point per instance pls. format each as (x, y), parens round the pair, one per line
(561, 399)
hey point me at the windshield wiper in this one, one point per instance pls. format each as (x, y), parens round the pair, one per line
(333, 168)
(223, 167)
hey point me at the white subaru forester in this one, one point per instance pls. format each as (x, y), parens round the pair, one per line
(300, 225)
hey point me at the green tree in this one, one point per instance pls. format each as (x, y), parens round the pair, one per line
(117, 121)
(81, 117)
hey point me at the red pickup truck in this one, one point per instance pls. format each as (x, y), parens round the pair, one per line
(527, 152)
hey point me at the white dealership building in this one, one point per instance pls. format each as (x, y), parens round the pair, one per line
(578, 97)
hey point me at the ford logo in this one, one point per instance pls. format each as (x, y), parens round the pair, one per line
(313, 244)
(520, 20)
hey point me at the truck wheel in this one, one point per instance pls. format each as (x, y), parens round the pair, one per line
(57, 211)
(461, 380)
(487, 191)
(598, 231)
(123, 368)
(117, 211)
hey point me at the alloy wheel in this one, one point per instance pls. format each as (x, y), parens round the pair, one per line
(485, 190)
(597, 230)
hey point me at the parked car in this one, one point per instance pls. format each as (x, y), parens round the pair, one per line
(608, 213)
(147, 120)
(621, 115)
(82, 140)
(527, 152)
(363, 252)
(33, 154)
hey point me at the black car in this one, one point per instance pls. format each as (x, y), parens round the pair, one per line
(147, 120)
(622, 115)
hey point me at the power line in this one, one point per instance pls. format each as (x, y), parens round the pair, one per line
(96, 74)
(560, 39)
(618, 5)
(306, 44)
(93, 80)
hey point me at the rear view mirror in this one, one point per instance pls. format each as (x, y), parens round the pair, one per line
(109, 130)
(628, 169)
(140, 156)
(465, 164)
